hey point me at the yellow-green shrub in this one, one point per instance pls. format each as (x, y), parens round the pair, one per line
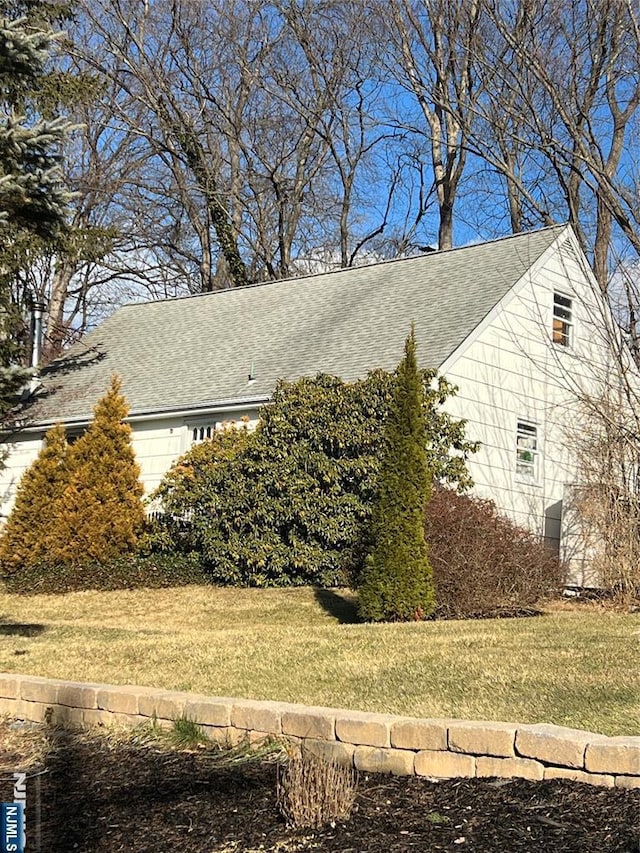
(78, 504)
(102, 506)
(34, 516)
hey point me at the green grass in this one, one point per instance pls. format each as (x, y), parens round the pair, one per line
(576, 667)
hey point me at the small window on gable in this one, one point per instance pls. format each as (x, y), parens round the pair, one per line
(202, 432)
(527, 451)
(562, 320)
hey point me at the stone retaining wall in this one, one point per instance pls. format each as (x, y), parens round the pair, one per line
(377, 743)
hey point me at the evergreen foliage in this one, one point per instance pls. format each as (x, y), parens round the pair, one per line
(78, 505)
(397, 581)
(32, 194)
(132, 571)
(103, 514)
(27, 532)
(33, 198)
(290, 503)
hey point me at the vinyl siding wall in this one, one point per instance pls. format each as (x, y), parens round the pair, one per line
(157, 444)
(510, 371)
(21, 454)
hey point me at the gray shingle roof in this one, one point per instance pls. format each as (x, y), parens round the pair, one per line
(196, 351)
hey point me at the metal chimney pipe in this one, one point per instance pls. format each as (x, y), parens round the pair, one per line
(37, 312)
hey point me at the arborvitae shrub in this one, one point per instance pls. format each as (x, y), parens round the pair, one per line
(78, 515)
(290, 503)
(397, 581)
(483, 563)
(37, 506)
(103, 514)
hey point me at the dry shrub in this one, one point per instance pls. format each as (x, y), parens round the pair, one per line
(313, 791)
(483, 563)
(605, 502)
(609, 517)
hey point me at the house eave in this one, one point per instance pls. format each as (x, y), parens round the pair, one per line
(160, 412)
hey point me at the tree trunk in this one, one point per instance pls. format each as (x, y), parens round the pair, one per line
(56, 328)
(445, 231)
(601, 247)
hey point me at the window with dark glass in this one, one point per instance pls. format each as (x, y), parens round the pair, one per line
(562, 319)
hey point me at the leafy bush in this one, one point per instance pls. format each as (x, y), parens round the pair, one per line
(130, 572)
(289, 504)
(187, 492)
(483, 563)
(397, 581)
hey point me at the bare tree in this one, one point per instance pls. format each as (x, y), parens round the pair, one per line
(603, 430)
(435, 44)
(99, 162)
(339, 47)
(605, 503)
(573, 99)
(266, 135)
(141, 48)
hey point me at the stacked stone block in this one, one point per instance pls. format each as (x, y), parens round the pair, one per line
(373, 743)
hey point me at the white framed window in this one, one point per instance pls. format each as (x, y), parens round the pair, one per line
(527, 451)
(562, 329)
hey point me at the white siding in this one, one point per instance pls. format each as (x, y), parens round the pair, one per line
(510, 370)
(157, 443)
(21, 453)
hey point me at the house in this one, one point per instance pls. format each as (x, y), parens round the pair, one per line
(517, 324)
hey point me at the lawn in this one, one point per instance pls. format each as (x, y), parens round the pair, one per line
(575, 666)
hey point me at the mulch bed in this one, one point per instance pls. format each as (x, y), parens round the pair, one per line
(100, 795)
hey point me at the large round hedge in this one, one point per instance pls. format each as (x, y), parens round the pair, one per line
(290, 503)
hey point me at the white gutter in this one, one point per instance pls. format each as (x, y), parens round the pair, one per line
(163, 414)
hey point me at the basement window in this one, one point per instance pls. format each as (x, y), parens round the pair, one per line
(562, 320)
(526, 452)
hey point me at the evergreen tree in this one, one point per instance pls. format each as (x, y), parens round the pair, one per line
(32, 194)
(102, 511)
(33, 198)
(290, 503)
(397, 581)
(26, 534)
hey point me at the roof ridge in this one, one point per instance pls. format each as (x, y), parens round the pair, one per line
(343, 270)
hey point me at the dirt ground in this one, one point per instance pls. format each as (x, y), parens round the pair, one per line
(93, 793)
